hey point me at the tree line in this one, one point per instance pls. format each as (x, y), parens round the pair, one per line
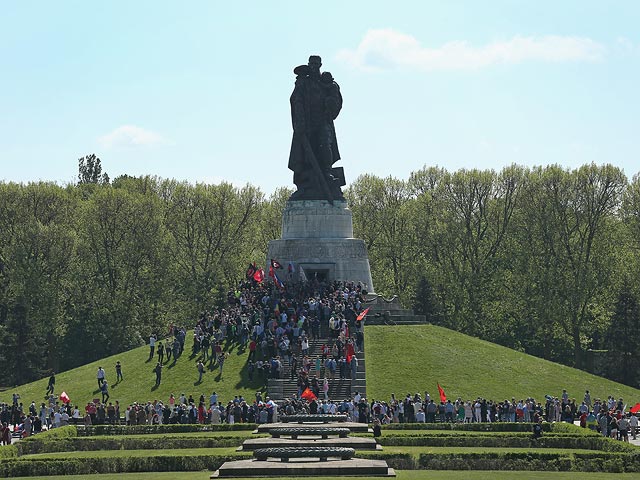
(543, 260)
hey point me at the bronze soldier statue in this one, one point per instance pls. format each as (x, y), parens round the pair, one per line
(315, 103)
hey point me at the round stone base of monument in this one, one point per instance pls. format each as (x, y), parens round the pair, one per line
(358, 443)
(301, 467)
(354, 427)
(325, 259)
(317, 239)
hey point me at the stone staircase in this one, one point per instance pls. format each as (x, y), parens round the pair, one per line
(390, 312)
(339, 388)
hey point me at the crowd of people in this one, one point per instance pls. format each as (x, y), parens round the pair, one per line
(275, 326)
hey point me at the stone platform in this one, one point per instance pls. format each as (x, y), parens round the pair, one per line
(317, 238)
(305, 468)
(353, 426)
(358, 443)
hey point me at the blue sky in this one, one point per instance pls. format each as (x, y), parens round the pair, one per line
(200, 90)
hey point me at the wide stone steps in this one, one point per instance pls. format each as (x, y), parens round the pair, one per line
(286, 387)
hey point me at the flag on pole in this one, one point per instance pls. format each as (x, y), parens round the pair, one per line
(279, 283)
(308, 395)
(251, 270)
(443, 397)
(635, 409)
(275, 264)
(258, 276)
(363, 314)
(64, 397)
(303, 276)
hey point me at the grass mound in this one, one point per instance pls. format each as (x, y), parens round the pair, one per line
(410, 359)
(139, 379)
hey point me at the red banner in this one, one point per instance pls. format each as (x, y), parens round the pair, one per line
(443, 397)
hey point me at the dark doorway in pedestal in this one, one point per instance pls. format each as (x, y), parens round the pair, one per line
(320, 274)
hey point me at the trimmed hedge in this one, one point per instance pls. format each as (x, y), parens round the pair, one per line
(96, 430)
(468, 427)
(125, 443)
(85, 466)
(8, 451)
(496, 461)
(533, 461)
(583, 443)
(69, 431)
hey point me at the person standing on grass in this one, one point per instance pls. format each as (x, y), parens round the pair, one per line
(100, 376)
(158, 371)
(104, 389)
(200, 367)
(160, 352)
(52, 383)
(119, 376)
(221, 359)
(152, 345)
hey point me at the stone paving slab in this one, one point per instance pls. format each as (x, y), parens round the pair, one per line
(359, 443)
(304, 467)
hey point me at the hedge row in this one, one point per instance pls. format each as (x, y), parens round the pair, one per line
(8, 451)
(582, 443)
(583, 462)
(85, 466)
(530, 461)
(468, 427)
(126, 443)
(69, 431)
(95, 430)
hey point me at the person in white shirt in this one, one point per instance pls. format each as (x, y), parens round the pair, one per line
(57, 419)
(420, 418)
(633, 425)
(152, 345)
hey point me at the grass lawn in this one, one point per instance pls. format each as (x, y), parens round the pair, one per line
(402, 475)
(410, 359)
(139, 379)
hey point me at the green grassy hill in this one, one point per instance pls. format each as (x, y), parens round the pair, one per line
(139, 379)
(398, 359)
(410, 359)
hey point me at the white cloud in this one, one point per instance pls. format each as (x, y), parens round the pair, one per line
(384, 49)
(130, 135)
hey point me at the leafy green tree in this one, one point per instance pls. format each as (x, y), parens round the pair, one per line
(211, 230)
(622, 337)
(569, 241)
(90, 170)
(382, 213)
(36, 251)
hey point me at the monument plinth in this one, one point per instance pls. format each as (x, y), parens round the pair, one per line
(317, 225)
(317, 238)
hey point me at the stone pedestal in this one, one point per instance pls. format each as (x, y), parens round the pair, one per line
(317, 238)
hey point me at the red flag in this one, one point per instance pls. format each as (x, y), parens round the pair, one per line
(64, 397)
(259, 275)
(251, 270)
(308, 395)
(443, 397)
(635, 409)
(362, 314)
